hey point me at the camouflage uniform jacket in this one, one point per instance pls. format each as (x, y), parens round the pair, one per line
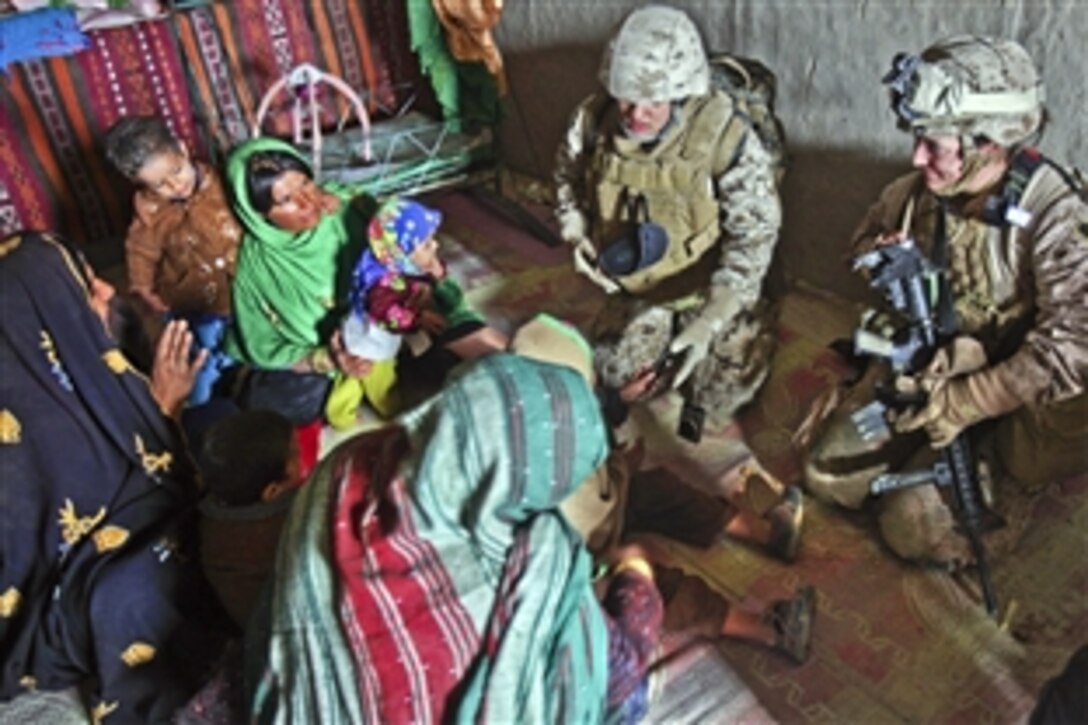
(742, 179)
(632, 331)
(1022, 292)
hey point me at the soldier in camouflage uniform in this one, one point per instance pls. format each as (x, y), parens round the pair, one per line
(662, 146)
(1016, 234)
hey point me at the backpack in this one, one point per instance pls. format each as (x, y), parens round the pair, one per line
(752, 87)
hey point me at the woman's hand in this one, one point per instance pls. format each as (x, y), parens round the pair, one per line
(420, 297)
(351, 365)
(172, 372)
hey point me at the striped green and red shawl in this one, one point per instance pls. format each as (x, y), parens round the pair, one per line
(425, 574)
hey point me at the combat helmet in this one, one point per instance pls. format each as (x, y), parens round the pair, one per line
(656, 56)
(968, 86)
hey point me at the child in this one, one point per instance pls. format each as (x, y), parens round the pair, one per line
(250, 463)
(181, 245)
(596, 510)
(400, 289)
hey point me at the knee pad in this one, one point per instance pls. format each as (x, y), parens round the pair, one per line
(915, 523)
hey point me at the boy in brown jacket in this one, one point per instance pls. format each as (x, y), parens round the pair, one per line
(181, 245)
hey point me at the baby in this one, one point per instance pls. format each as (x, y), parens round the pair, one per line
(401, 290)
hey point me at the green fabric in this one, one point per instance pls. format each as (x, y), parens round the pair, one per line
(290, 287)
(302, 663)
(500, 449)
(489, 460)
(466, 92)
(451, 302)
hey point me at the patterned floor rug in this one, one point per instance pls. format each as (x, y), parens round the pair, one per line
(893, 643)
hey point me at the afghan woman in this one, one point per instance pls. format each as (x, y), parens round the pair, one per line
(98, 588)
(426, 574)
(294, 270)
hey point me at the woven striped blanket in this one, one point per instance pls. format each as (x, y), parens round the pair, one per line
(203, 70)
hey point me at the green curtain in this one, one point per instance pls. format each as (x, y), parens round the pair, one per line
(466, 92)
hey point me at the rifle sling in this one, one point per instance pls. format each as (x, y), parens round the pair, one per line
(946, 313)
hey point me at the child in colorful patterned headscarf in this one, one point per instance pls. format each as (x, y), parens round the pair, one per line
(400, 289)
(400, 282)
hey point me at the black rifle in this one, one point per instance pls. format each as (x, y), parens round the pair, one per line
(908, 280)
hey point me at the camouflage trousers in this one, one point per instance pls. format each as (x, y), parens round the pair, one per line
(630, 335)
(1027, 450)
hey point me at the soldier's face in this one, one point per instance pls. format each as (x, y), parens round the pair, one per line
(940, 159)
(643, 121)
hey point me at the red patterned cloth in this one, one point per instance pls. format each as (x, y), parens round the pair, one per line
(204, 71)
(308, 437)
(53, 174)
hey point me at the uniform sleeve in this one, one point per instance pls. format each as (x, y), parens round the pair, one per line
(143, 250)
(571, 164)
(873, 226)
(1052, 363)
(886, 214)
(751, 217)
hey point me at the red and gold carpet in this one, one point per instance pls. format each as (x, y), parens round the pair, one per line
(892, 642)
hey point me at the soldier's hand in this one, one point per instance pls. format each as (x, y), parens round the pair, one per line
(896, 237)
(638, 387)
(720, 311)
(961, 356)
(959, 402)
(948, 410)
(585, 263)
(694, 342)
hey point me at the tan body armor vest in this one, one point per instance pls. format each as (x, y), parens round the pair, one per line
(989, 265)
(671, 184)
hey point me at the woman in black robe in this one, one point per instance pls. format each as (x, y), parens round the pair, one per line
(98, 587)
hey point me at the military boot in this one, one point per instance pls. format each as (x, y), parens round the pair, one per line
(762, 494)
(792, 621)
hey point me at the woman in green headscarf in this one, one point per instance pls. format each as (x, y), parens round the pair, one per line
(293, 274)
